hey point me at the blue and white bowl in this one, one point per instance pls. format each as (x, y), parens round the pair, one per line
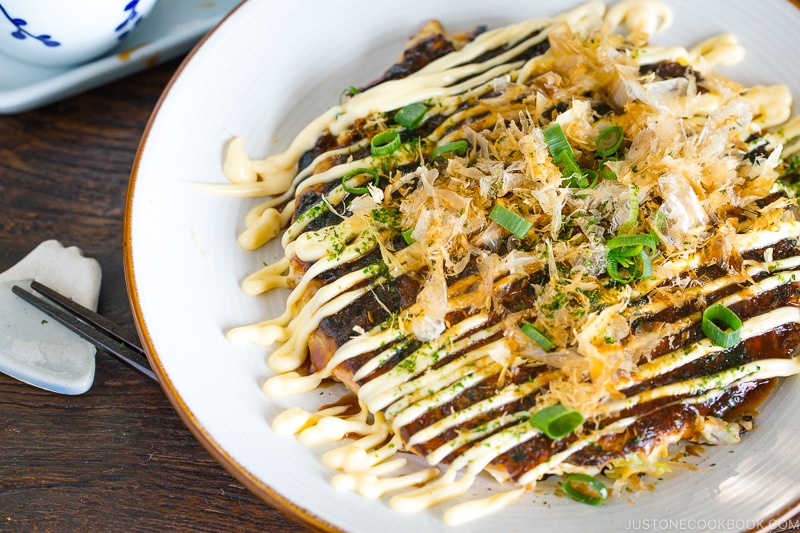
(67, 32)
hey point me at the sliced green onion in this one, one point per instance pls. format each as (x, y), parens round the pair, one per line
(510, 221)
(573, 173)
(411, 115)
(537, 336)
(720, 313)
(456, 147)
(626, 251)
(384, 143)
(609, 141)
(646, 266)
(639, 266)
(592, 177)
(350, 91)
(557, 143)
(613, 265)
(622, 241)
(406, 233)
(633, 208)
(556, 421)
(356, 172)
(592, 484)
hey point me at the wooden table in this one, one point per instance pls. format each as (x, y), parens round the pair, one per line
(117, 458)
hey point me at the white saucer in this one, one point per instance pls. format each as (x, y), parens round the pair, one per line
(34, 348)
(171, 30)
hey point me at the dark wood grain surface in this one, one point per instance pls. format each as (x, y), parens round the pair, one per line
(117, 458)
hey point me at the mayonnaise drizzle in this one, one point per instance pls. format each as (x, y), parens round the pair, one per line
(717, 284)
(762, 369)
(644, 16)
(720, 50)
(507, 395)
(480, 507)
(381, 391)
(266, 227)
(751, 328)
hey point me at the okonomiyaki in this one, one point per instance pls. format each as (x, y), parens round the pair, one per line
(545, 249)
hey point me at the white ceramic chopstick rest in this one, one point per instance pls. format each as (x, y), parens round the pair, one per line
(35, 348)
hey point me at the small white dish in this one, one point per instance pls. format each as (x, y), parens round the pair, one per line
(34, 348)
(171, 29)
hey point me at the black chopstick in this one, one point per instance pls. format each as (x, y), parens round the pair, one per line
(93, 327)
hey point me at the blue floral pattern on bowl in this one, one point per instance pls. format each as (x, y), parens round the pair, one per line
(132, 20)
(22, 33)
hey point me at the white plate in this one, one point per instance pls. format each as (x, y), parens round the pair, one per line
(170, 30)
(263, 74)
